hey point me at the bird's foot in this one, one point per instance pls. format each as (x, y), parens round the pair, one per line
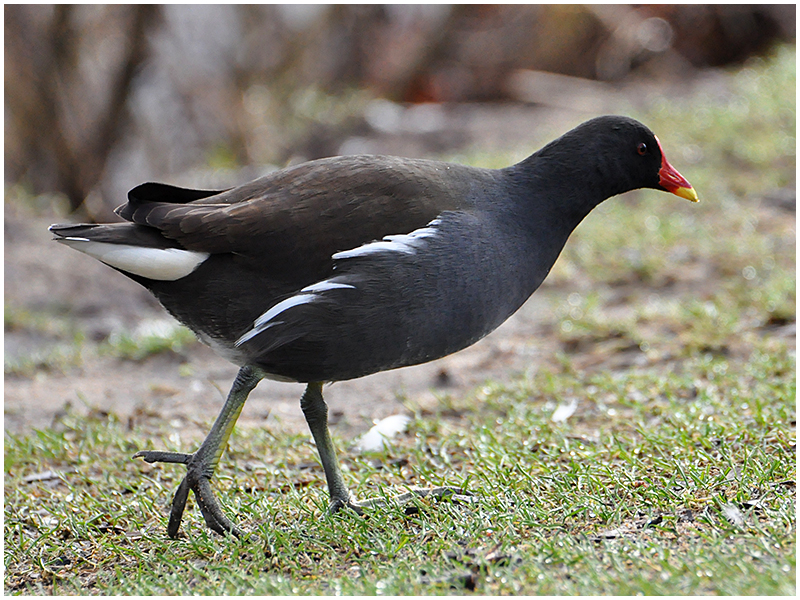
(440, 493)
(197, 479)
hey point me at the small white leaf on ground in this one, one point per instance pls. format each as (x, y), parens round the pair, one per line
(47, 475)
(564, 411)
(382, 432)
(733, 514)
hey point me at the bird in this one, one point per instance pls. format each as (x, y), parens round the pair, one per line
(340, 267)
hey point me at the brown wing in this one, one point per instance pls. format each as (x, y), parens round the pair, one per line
(320, 208)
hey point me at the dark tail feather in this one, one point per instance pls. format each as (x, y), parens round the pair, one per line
(117, 233)
(148, 193)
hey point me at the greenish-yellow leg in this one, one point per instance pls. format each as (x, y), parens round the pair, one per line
(201, 465)
(316, 413)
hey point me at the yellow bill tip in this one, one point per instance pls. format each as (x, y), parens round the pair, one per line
(688, 193)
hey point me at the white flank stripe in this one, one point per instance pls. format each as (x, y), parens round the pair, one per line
(282, 306)
(407, 243)
(306, 295)
(263, 322)
(162, 264)
(328, 284)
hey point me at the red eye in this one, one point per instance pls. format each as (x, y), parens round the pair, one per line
(642, 149)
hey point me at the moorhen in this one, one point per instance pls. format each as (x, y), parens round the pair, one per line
(345, 266)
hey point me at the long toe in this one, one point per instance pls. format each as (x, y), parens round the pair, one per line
(178, 504)
(200, 484)
(151, 456)
(212, 513)
(440, 493)
(197, 480)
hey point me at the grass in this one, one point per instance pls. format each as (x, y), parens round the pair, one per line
(629, 496)
(675, 474)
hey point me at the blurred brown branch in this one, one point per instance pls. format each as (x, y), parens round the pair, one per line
(64, 137)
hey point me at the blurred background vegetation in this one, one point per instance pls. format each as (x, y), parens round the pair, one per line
(101, 98)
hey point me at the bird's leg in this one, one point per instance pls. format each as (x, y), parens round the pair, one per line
(201, 465)
(316, 413)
